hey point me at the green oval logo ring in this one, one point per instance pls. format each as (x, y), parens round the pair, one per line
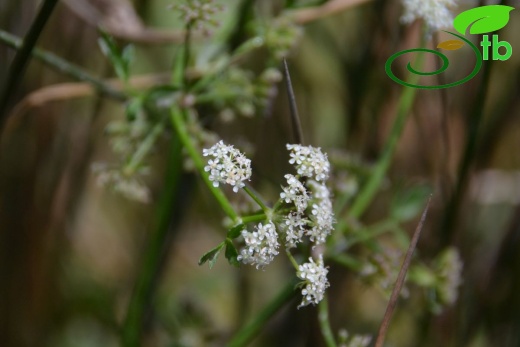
(445, 64)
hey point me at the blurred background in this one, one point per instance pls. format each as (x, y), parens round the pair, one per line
(71, 250)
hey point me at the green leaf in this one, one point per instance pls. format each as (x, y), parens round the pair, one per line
(212, 255)
(483, 19)
(235, 232)
(232, 253)
(133, 107)
(120, 59)
(409, 203)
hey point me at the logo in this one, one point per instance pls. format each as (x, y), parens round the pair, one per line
(479, 20)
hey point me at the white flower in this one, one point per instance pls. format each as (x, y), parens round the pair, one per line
(354, 340)
(322, 218)
(261, 245)
(319, 190)
(294, 229)
(436, 13)
(228, 166)
(309, 161)
(130, 187)
(314, 276)
(295, 193)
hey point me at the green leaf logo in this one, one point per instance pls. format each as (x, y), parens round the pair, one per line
(483, 19)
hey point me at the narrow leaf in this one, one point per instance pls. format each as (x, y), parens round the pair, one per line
(232, 253)
(211, 256)
(235, 232)
(451, 45)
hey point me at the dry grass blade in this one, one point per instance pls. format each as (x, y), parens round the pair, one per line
(400, 280)
(329, 8)
(295, 118)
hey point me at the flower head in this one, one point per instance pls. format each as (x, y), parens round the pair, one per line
(295, 193)
(228, 166)
(309, 162)
(199, 13)
(449, 269)
(261, 245)
(322, 219)
(436, 13)
(314, 276)
(294, 226)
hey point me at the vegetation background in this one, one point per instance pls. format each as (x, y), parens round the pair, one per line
(70, 250)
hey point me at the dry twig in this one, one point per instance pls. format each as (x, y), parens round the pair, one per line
(400, 280)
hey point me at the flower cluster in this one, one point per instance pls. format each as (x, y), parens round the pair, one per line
(314, 277)
(310, 215)
(199, 13)
(436, 13)
(130, 187)
(346, 340)
(381, 269)
(309, 162)
(449, 269)
(295, 193)
(261, 245)
(313, 216)
(228, 166)
(322, 214)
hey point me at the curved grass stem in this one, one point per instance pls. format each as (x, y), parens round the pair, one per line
(248, 332)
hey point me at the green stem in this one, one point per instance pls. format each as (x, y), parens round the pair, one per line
(180, 128)
(248, 332)
(170, 212)
(277, 205)
(323, 317)
(63, 66)
(144, 148)
(21, 58)
(253, 218)
(293, 261)
(370, 189)
(371, 232)
(259, 201)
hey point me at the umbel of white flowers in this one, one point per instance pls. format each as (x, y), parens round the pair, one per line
(311, 215)
(436, 13)
(228, 166)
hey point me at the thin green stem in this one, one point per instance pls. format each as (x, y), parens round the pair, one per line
(187, 53)
(16, 70)
(323, 317)
(371, 232)
(144, 148)
(292, 260)
(180, 128)
(170, 211)
(254, 218)
(257, 199)
(277, 205)
(63, 66)
(370, 189)
(248, 332)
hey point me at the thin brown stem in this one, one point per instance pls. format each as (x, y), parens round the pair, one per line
(400, 280)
